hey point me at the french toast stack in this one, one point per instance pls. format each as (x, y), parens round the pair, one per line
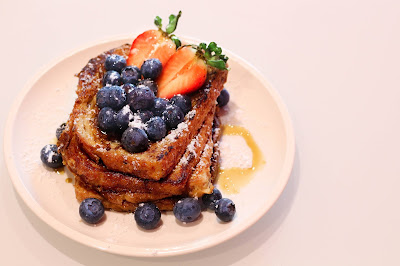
(184, 163)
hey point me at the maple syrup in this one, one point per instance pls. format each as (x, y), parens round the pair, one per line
(59, 171)
(232, 179)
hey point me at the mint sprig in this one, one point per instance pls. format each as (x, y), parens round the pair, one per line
(170, 28)
(213, 55)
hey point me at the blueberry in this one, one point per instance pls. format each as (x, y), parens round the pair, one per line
(172, 116)
(115, 62)
(187, 210)
(145, 115)
(147, 215)
(209, 200)
(149, 83)
(117, 98)
(160, 104)
(50, 156)
(102, 97)
(182, 101)
(107, 120)
(134, 140)
(141, 98)
(123, 118)
(112, 77)
(91, 210)
(113, 97)
(156, 128)
(225, 209)
(223, 98)
(60, 130)
(128, 87)
(151, 68)
(130, 74)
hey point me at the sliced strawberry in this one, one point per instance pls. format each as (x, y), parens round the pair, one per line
(184, 72)
(150, 44)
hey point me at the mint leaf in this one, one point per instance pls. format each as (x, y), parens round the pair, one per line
(173, 22)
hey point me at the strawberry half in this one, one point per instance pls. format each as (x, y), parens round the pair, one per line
(184, 72)
(151, 44)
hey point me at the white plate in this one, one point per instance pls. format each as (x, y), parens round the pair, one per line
(47, 100)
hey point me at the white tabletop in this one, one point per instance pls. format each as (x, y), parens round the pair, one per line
(336, 66)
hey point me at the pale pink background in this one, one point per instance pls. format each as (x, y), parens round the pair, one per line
(336, 66)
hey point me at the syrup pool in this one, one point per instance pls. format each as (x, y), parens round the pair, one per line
(231, 180)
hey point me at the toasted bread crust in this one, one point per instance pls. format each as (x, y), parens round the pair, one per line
(179, 165)
(215, 158)
(97, 175)
(198, 183)
(82, 192)
(162, 156)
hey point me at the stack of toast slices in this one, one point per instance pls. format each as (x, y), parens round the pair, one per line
(183, 164)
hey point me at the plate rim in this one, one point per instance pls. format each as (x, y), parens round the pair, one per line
(113, 248)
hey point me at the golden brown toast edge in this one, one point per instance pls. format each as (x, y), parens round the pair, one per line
(98, 176)
(162, 156)
(81, 192)
(199, 183)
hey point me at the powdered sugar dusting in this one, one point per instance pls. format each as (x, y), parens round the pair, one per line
(51, 154)
(137, 122)
(184, 160)
(182, 127)
(235, 153)
(193, 144)
(126, 109)
(191, 114)
(232, 114)
(191, 150)
(207, 150)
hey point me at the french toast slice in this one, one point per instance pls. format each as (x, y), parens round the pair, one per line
(161, 157)
(215, 158)
(200, 177)
(99, 176)
(203, 176)
(182, 164)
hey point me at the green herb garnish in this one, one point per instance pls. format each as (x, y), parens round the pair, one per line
(213, 55)
(173, 22)
(170, 28)
(158, 22)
